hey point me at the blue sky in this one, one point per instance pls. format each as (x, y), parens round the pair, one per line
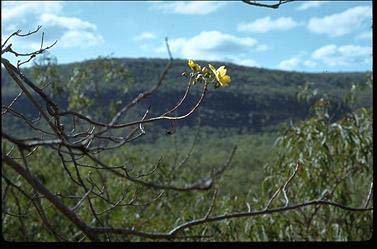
(312, 36)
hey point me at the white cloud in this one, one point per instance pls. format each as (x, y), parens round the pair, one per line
(81, 39)
(329, 55)
(339, 24)
(311, 4)
(333, 55)
(248, 63)
(366, 35)
(69, 31)
(324, 51)
(71, 23)
(210, 45)
(266, 24)
(262, 48)
(215, 45)
(310, 63)
(145, 36)
(16, 11)
(297, 62)
(289, 64)
(175, 45)
(189, 7)
(27, 46)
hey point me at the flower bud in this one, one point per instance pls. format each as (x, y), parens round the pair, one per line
(193, 65)
(205, 70)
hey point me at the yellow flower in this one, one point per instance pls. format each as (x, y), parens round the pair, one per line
(193, 65)
(220, 75)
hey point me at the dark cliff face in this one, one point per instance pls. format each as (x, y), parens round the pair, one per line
(219, 109)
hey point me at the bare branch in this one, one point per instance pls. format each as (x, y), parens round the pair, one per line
(370, 195)
(272, 6)
(51, 197)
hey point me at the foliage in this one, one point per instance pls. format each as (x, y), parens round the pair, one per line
(336, 164)
(86, 85)
(317, 183)
(335, 161)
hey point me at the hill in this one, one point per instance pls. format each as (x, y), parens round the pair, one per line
(258, 99)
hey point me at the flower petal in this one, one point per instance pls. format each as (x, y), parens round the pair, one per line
(213, 69)
(224, 81)
(191, 63)
(222, 71)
